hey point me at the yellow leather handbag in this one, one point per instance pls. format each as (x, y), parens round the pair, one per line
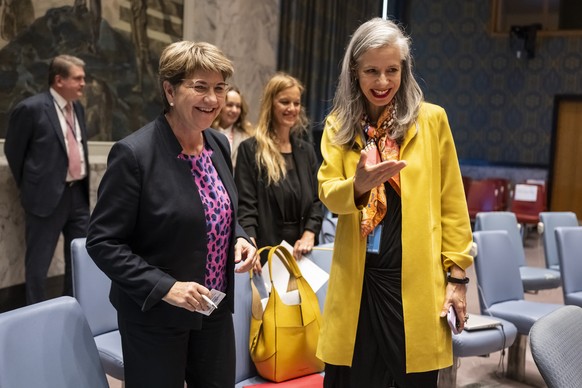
(283, 338)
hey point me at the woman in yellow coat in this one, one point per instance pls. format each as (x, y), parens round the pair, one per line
(390, 172)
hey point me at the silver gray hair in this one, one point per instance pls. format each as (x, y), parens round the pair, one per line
(349, 104)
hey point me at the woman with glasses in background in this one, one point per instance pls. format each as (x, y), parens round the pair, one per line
(164, 230)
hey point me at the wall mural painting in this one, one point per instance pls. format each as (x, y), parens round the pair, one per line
(119, 40)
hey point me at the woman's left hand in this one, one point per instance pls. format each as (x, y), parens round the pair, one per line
(304, 245)
(456, 296)
(245, 252)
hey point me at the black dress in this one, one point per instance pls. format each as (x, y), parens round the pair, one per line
(291, 188)
(290, 230)
(379, 352)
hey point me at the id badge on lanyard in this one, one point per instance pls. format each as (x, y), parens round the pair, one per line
(373, 244)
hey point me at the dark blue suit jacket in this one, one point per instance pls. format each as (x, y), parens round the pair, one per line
(148, 228)
(36, 152)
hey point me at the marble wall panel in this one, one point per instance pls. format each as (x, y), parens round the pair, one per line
(247, 31)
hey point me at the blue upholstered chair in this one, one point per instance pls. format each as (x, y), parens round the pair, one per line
(533, 278)
(501, 292)
(49, 344)
(569, 244)
(556, 347)
(482, 342)
(549, 221)
(477, 343)
(91, 288)
(246, 372)
(328, 225)
(321, 255)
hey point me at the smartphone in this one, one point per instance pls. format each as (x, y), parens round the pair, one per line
(453, 321)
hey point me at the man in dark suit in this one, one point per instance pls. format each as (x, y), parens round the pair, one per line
(46, 148)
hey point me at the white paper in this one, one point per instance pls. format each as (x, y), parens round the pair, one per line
(216, 297)
(527, 193)
(312, 273)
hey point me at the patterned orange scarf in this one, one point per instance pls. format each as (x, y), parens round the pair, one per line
(375, 210)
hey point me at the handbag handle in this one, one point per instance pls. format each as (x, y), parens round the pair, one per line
(308, 314)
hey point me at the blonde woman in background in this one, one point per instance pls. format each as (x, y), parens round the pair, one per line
(232, 120)
(276, 172)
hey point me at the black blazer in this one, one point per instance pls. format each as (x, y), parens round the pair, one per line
(148, 228)
(36, 152)
(261, 207)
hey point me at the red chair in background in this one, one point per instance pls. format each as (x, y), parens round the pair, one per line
(503, 191)
(482, 197)
(528, 201)
(466, 185)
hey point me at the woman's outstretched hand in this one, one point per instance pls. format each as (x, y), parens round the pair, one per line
(369, 175)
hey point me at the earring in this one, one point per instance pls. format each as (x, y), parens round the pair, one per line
(171, 104)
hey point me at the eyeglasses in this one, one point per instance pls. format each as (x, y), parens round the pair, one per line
(202, 88)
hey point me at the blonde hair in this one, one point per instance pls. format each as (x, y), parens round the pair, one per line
(269, 158)
(180, 59)
(349, 103)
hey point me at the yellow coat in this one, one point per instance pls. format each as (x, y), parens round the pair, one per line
(436, 233)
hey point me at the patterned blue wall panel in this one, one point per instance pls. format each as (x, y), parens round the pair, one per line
(500, 107)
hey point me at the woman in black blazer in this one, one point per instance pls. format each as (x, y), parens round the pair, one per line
(164, 230)
(276, 173)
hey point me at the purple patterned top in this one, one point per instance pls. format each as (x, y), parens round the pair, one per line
(218, 213)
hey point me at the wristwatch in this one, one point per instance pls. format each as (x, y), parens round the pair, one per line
(451, 279)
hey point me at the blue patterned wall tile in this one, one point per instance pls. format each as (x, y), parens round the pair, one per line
(500, 107)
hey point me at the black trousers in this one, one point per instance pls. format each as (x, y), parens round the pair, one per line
(71, 217)
(165, 357)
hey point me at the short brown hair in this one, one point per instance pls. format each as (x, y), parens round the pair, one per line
(61, 65)
(180, 59)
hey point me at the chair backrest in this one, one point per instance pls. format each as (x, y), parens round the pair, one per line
(556, 347)
(528, 201)
(507, 221)
(482, 197)
(49, 344)
(503, 188)
(322, 255)
(467, 180)
(497, 271)
(328, 225)
(550, 221)
(91, 288)
(569, 246)
(245, 368)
